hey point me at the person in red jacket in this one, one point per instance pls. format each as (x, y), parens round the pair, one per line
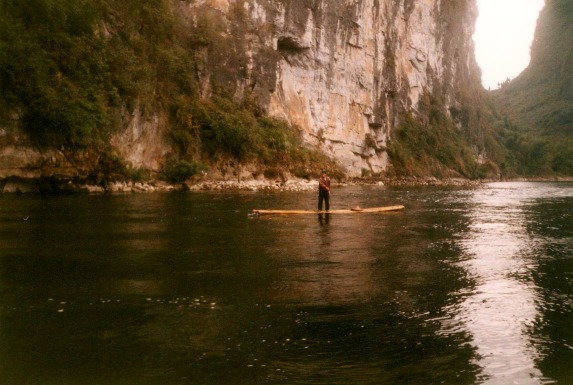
(324, 191)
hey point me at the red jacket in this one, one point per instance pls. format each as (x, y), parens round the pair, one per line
(324, 184)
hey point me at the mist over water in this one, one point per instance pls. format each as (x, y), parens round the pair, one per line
(466, 286)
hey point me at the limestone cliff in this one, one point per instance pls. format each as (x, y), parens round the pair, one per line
(344, 71)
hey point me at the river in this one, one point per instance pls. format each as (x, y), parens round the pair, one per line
(465, 286)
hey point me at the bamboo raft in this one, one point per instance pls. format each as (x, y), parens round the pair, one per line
(356, 210)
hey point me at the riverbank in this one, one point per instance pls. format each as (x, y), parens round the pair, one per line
(69, 186)
(62, 185)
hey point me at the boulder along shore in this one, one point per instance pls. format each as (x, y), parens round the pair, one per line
(68, 185)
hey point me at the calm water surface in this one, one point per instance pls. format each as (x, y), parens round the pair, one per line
(466, 286)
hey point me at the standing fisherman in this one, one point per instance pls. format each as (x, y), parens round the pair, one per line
(324, 191)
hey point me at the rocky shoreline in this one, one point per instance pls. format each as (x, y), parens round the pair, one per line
(69, 186)
(55, 185)
(61, 185)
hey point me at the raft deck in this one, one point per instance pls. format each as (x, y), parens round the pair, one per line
(339, 211)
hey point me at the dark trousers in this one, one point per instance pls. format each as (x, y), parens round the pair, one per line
(323, 196)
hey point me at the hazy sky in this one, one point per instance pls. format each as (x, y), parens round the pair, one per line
(504, 32)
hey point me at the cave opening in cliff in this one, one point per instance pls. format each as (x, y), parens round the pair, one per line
(288, 44)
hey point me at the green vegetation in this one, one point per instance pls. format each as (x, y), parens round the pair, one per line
(73, 71)
(439, 144)
(221, 129)
(51, 70)
(537, 127)
(177, 172)
(70, 66)
(534, 154)
(537, 106)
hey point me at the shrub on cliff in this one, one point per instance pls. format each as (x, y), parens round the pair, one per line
(51, 70)
(219, 129)
(434, 149)
(67, 67)
(177, 172)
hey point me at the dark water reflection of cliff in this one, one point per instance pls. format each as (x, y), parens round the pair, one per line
(463, 287)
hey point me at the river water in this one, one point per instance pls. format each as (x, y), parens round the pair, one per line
(465, 286)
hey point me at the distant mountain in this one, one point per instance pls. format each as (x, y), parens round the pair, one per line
(541, 98)
(539, 102)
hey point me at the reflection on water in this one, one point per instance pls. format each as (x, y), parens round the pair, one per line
(497, 258)
(463, 287)
(502, 306)
(326, 264)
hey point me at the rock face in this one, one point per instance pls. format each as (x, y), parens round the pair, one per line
(344, 71)
(143, 144)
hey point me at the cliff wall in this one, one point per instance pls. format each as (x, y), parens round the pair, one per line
(344, 71)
